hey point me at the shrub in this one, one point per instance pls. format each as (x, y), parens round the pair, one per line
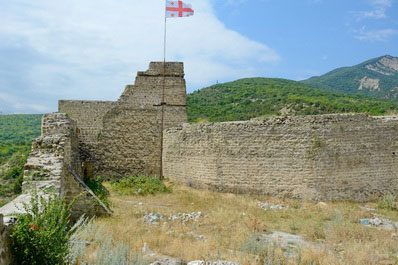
(14, 175)
(41, 234)
(17, 186)
(139, 186)
(388, 202)
(99, 190)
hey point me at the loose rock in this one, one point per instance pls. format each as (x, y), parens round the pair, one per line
(270, 206)
(218, 262)
(199, 237)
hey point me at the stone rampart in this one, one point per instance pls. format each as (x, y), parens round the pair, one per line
(130, 140)
(350, 157)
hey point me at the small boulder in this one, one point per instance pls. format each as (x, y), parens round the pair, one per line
(168, 261)
(217, 262)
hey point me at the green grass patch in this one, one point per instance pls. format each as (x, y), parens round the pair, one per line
(139, 186)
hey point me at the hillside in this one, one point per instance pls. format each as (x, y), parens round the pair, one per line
(19, 129)
(16, 134)
(254, 97)
(377, 78)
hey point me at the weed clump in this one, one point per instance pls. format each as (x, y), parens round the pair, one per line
(388, 202)
(139, 186)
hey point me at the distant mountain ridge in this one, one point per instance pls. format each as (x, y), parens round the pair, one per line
(377, 77)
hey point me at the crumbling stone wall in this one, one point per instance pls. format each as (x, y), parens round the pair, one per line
(54, 167)
(349, 157)
(61, 158)
(88, 116)
(124, 137)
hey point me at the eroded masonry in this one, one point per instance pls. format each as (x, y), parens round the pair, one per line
(345, 157)
(124, 137)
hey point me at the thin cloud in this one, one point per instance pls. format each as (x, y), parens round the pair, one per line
(17, 105)
(91, 49)
(379, 10)
(375, 35)
(235, 2)
(386, 3)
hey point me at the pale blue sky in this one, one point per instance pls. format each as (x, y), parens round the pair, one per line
(316, 36)
(91, 49)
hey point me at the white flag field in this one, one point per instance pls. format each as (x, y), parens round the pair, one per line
(178, 9)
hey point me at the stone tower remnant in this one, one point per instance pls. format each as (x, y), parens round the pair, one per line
(124, 138)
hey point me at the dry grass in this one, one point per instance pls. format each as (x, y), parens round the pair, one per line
(229, 219)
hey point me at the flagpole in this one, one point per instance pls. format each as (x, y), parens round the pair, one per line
(162, 103)
(165, 32)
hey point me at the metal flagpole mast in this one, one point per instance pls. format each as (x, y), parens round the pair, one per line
(165, 31)
(162, 103)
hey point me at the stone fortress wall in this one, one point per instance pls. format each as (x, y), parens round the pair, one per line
(124, 137)
(345, 157)
(325, 157)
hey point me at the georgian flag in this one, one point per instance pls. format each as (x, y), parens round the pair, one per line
(178, 9)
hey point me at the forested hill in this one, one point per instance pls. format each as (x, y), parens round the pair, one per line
(19, 129)
(376, 77)
(254, 97)
(16, 134)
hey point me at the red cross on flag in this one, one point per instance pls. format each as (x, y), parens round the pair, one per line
(178, 9)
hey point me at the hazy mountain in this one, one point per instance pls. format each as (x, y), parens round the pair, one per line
(377, 78)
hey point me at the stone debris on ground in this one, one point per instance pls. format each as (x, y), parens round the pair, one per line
(270, 206)
(218, 262)
(367, 208)
(196, 236)
(375, 221)
(158, 259)
(380, 223)
(285, 240)
(155, 218)
(186, 217)
(289, 243)
(165, 260)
